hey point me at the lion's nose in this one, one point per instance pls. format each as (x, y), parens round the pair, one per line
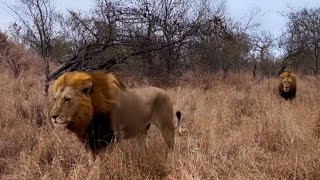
(55, 116)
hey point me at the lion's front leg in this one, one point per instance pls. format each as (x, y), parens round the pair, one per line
(91, 157)
(114, 115)
(120, 134)
(92, 154)
(142, 137)
(117, 136)
(117, 132)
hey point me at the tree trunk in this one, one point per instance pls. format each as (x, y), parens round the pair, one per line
(225, 70)
(254, 70)
(316, 59)
(47, 73)
(169, 58)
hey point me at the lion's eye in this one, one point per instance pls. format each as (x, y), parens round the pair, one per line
(66, 99)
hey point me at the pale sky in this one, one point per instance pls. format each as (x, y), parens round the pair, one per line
(272, 21)
(62, 5)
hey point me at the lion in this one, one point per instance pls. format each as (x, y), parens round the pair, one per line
(100, 110)
(288, 85)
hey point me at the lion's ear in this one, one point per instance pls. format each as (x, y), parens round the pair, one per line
(87, 87)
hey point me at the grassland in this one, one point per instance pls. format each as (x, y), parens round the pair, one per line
(237, 128)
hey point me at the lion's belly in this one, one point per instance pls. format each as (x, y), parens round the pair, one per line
(129, 132)
(135, 113)
(133, 122)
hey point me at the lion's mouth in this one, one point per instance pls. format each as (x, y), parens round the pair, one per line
(286, 89)
(60, 122)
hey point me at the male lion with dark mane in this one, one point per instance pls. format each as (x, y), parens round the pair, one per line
(288, 85)
(100, 109)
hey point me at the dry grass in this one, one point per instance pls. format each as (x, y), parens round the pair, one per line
(238, 128)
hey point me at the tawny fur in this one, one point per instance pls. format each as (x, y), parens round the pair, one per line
(288, 85)
(99, 109)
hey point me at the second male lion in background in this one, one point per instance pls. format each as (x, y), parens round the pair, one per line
(288, 85)
(97, 107)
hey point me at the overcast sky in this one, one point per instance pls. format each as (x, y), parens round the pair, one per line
(272, 21)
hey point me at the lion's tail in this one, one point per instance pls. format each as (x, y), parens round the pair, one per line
(178, 114)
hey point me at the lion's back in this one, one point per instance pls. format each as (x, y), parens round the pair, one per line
(140, 103)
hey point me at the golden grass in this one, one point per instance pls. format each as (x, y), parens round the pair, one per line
(238, 128)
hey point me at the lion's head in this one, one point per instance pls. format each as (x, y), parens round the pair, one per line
(79, 97)
(72, 102)
(288, 85)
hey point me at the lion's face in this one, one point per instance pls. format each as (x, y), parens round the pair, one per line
(72, 105)
(287, 83)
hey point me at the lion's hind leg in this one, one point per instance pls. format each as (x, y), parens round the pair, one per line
(168, 135)
(167, 131)
(164, 122)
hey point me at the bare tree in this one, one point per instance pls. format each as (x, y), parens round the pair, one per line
(115, 32)
(261, 53)
(302, 38)
(149, 36)
(9, 56)
(35, 27)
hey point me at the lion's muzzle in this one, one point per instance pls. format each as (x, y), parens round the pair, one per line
(58, 120)
(286, 89)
